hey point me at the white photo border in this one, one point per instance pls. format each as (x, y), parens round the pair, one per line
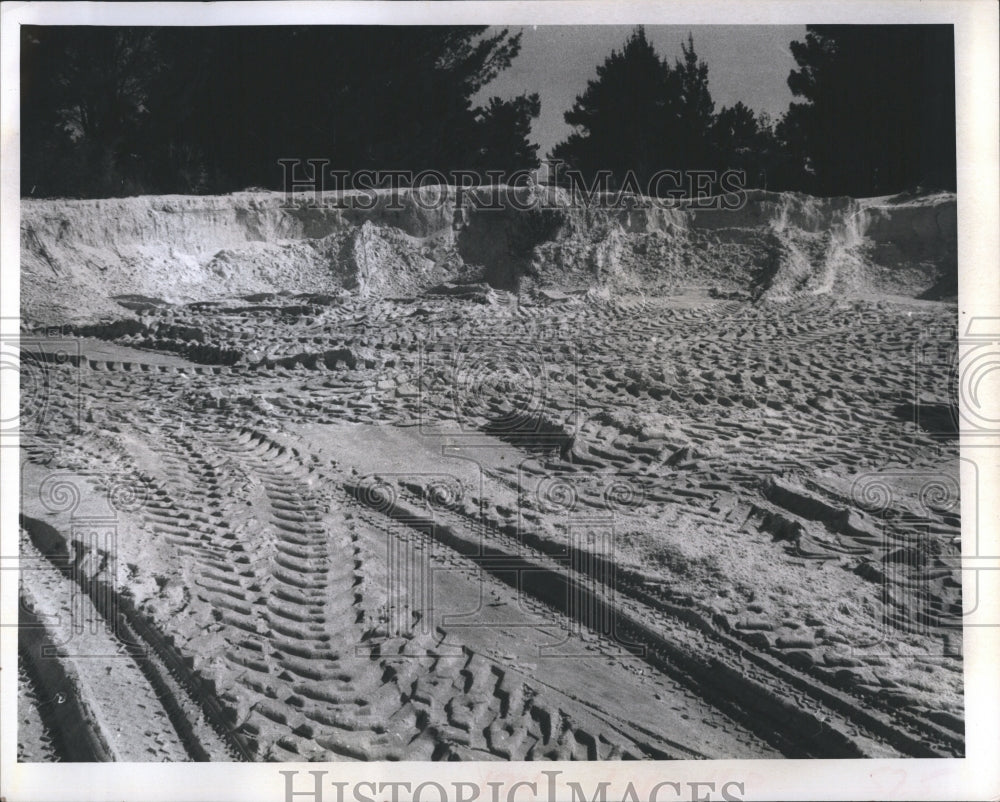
(977, 776)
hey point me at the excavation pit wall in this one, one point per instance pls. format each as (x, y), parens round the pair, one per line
(77, 256)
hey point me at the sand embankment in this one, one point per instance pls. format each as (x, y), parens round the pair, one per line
(77, 256)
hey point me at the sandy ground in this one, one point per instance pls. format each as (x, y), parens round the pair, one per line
(487, 525)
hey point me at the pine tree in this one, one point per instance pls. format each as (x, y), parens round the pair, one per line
(877, 109)
(504, 130)
(745, 141)
(695, 109)
(641, 116)
(623, 117)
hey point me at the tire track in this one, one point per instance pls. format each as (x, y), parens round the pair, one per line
(401, 700)
(754, 687)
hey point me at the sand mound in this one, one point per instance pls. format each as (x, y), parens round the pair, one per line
(78, 255)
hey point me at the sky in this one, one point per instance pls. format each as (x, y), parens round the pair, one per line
(745, 62)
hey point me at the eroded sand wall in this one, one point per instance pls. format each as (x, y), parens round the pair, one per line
(77, 255)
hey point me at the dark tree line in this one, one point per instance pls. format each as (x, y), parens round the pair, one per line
(116, 111)
(110, 111)
(877, 109)
(875, 113)
(642, 115)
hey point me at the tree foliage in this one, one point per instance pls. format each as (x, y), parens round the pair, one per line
(877, 113)
(124, 110)
(641, 115)
(111, 110)
(628, 117)
(503, 131)
(693, 108)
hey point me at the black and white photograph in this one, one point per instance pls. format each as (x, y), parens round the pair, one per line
(399, 385)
